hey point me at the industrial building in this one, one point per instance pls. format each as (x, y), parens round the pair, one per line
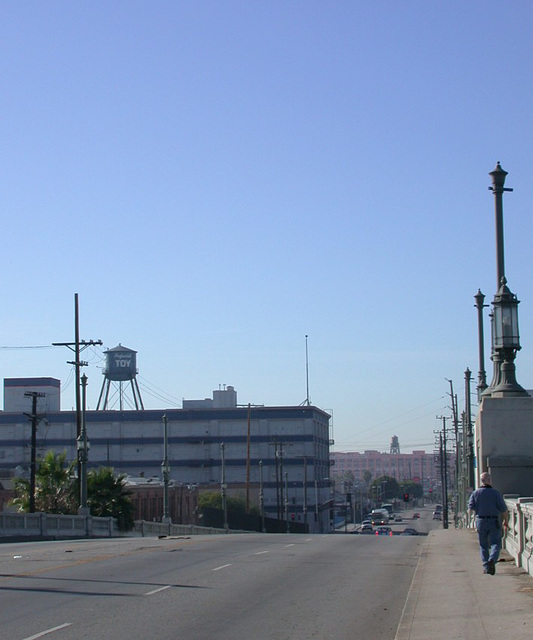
(282, 450)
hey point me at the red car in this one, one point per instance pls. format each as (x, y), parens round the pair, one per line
(416, 515)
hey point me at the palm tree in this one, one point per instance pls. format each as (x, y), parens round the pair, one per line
(55, 486)
(107, 495)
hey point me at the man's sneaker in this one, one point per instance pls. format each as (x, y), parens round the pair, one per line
(491, 568)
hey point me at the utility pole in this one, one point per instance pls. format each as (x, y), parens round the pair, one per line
(455, 419)
(469, 433)
(77, 346)
(278, 448)
(444, 470)
(34, 419)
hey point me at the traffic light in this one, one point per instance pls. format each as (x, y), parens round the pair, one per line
(406, 497)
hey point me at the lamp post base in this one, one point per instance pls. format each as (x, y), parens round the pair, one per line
(508, 386)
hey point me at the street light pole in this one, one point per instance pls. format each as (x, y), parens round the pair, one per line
(482, 375)
(287, 525)
(261, 496)
(505, 335)
(165, 469)
(305, 492)
(83, 450)
(223, 486)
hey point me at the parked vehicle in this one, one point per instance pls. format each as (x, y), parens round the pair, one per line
(410, 532)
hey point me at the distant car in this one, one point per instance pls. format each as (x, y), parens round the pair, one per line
(384, 531)
(398, 519)
(409, 532)
(366, 521)
(437, 515)
(416, 515)
(366, 526)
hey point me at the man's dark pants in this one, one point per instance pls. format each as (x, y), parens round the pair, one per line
(490, 539)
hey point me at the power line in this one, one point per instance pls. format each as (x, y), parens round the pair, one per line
(37, 346)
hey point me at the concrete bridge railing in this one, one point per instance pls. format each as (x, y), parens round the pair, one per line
(51, 525)
(519, 538)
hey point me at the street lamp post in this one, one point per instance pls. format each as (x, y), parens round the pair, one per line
(165, 470)
(504, 317)
(305, 492)
(223, 486)
(261, 497)
(482, 376)
(287, 525)
(83, 446)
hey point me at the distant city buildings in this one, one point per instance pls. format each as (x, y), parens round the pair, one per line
(417, 466)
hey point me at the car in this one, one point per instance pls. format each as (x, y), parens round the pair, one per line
(437, 515)
(416, 515)
(366, 521)
(398, 519)
(367, 526)
(409, 532)
(384, 531)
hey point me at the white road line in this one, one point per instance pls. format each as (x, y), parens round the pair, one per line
(222, 567)
(151, 593)
(289, 545)
(258, 553)
(44, 633)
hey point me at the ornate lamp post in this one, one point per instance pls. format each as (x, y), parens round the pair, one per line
(506, 341)
(482, 376)
(504, 317)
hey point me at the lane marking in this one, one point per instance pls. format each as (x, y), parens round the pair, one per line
(44, 633)
(289, 545)
(151, 593)
(258, 553)
(222, 567)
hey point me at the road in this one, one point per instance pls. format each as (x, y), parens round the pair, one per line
(234, 587)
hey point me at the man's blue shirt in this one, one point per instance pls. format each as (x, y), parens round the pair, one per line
(486, 502)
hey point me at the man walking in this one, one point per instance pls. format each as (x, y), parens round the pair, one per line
(489, 506)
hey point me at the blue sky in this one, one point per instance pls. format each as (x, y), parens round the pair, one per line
(217, 180)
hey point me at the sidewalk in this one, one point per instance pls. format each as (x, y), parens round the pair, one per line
(450, 597)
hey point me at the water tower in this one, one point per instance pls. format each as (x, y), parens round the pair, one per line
(120, 369)
(394, 445)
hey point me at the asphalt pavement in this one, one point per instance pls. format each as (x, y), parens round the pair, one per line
(451, 598)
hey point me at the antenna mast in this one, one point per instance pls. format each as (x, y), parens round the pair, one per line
(307, 402)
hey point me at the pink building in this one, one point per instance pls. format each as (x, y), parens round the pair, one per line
(417, 466)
